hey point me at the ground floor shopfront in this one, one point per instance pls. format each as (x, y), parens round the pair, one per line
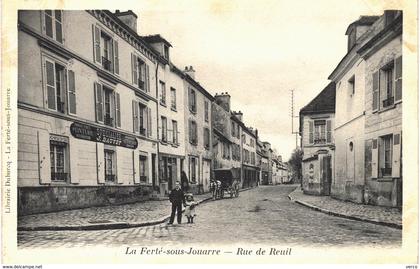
(65, 163)
(249, 176)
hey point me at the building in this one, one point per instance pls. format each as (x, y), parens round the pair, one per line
(170, 120)
(250, 167)
(316, 128)
(266, 164)
(369, 113)
(227, 149)
(87, 110)
(383, 111)
(198, 127)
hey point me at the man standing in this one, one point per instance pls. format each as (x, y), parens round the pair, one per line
(176, 197)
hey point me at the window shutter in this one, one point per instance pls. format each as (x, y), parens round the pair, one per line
(149, 122)
(96, 43)
(398, 78)
(135, 117)
(119, 161)
(48, 23)
(190, 131)
(375, 158)
(100, 166)
(58, 26)
(44, 157)
(328, 131)
(50, 80)
(147, 78)
(311, 132)
(396, 155)
(134, 69)
(116, 58)
(99, 102)
(136, 167)
(375, 91)
(74, 158)
(117, 110)
(72, 93)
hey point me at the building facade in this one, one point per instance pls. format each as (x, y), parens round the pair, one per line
(316, 129)
(250, 169)
(198, 127)
(87, 118)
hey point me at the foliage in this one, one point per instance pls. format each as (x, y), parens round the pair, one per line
(295, 164)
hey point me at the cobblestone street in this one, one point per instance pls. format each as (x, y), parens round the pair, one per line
(262, 215)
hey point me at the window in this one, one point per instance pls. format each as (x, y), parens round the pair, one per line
(110, 165)
(174, 132)
(60, 87)
(143, 168)
(193, 132)
(107, 106)
(140, 73)
(351, 86)
(105, 50)
(388, 83)
(53, 24)
(166, 52)
(162, 95)
(351, 39)
(206, 111)
(385, 156)
(206, 138)
(192, 101)
(233, 128)
(142, 119)
(193, 169)
(320, 131)
(173, 98)
(225, 151)
(59, 158)
(164, 129)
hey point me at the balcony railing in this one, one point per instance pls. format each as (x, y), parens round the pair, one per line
(106, 64)
(60, 106)
(142, 131)
(58, 176)
(141, 84)
(143, 178)
(388, 102)
(110, 178)
(386, 171)
(320, 141)
(109, 121)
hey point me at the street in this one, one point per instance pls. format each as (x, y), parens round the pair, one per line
(262, 215)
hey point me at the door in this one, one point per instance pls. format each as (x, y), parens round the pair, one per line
(154, 171)
(206, 175)
(326, 174)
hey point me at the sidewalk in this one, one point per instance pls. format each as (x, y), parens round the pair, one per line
(391, 217)
(105, 217)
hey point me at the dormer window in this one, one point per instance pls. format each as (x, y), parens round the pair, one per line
(166, 52)
(351, 39)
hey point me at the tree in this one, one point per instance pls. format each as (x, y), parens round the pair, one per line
(295, 164)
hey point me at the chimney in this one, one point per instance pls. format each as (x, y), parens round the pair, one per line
(223, 100)
(239, 115)
(190, 71)
(128, 17)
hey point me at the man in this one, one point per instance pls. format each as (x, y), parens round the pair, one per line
(177, 198)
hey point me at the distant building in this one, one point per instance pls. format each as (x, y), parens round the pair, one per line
(316, 129)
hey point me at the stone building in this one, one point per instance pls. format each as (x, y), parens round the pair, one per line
(227, 149)
(368, 112)
(316, 128)
(170, 110)
(250, 167)
(87, 109)
(198, 130)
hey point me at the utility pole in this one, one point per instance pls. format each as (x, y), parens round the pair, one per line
(292, 114)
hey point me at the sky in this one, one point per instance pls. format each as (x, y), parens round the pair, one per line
(258, 51)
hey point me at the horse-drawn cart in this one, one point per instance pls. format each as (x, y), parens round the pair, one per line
(226, 180)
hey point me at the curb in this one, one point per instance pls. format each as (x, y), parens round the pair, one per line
(108, 226)
(383, 223)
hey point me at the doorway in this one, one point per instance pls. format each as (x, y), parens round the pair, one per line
(326, 174)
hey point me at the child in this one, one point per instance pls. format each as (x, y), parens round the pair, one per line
(190, 207)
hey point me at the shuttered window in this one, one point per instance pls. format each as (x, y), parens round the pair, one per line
(398, 78)
(105, 50)
(99, 103)
(53, 24)
(375, 91)
(175, 132)
(164, 129)
(116, 58)
(329, 140)
(72, 93)
(117, 110)
(135, 116)
(311, 132)
(140, 73)
(149, 122)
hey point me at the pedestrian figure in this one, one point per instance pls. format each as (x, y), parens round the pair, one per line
(176, 197)
(190, 208)
(184, 182)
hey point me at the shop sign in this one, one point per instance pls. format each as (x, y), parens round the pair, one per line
(103, 135)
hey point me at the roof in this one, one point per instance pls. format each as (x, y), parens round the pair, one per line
(323, 102)
(363, 20)
(155, 39)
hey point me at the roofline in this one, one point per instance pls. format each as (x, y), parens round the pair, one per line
(192, 81)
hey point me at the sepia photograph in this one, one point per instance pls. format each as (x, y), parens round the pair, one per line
(226, 130)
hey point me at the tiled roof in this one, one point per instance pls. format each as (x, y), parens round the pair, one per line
(323, 102)
(156, 38)
(363, 20)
